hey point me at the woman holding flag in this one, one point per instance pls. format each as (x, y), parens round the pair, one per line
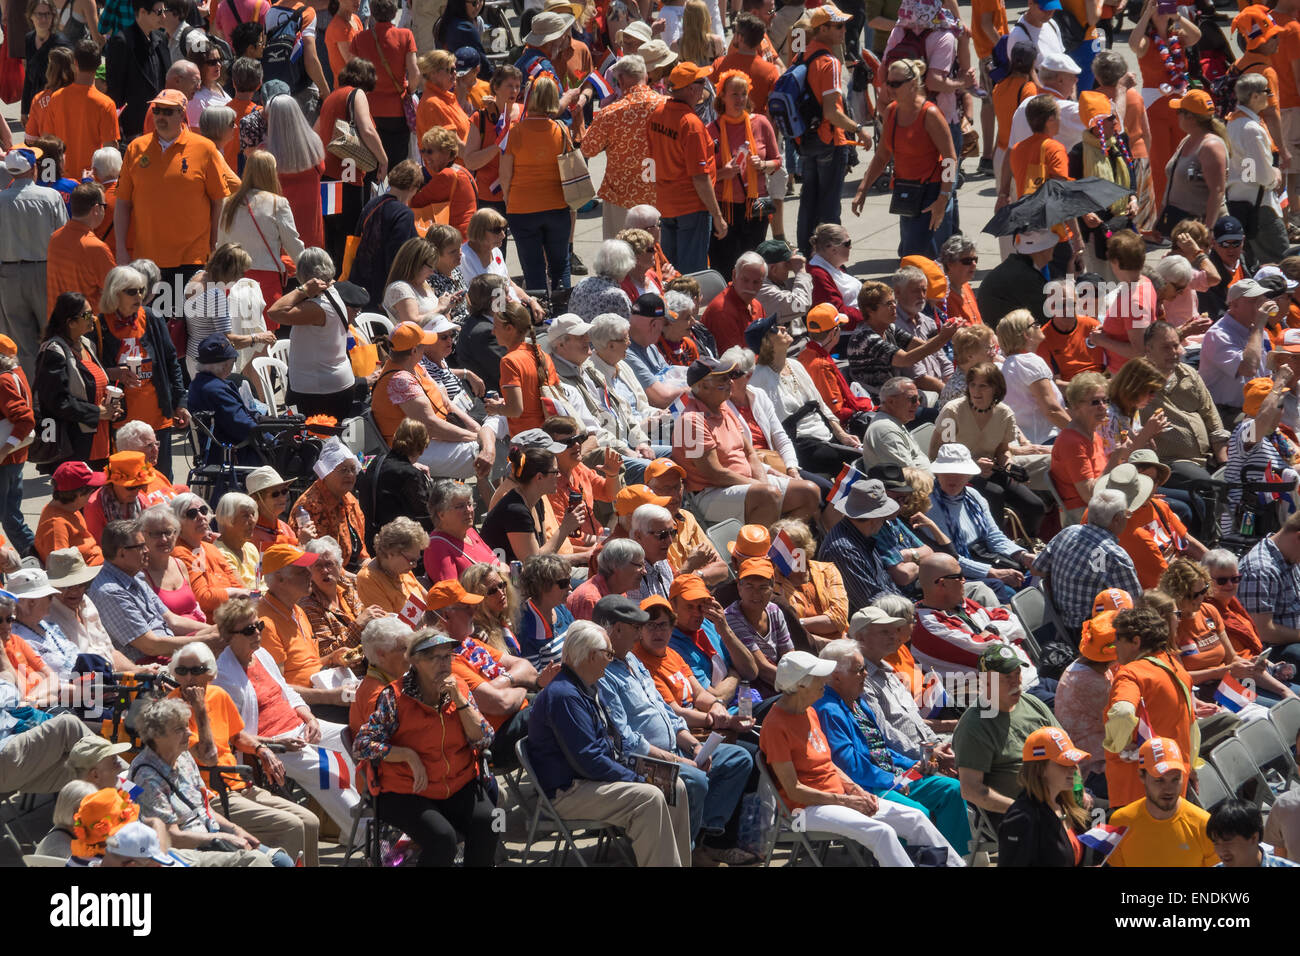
(814, 589)
(487, 127)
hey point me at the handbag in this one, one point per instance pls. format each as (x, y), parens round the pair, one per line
(408, 99)
(908, 199)
(575, 180)
(346, 144)
(1170, 215)
(353, 243)
(363, 356)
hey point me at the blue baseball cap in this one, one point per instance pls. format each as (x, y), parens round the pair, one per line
(1048, 4)
(467, 60)
(757, 330)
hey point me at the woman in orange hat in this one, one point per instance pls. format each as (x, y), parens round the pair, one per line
(120, 498)
(1197, 176)
(1084, 688)
(759, 622)
(1041, 828)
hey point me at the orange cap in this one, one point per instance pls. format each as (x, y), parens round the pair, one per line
(8, 346)
(753, 541)
(1194, 101)
(658, 600)
(1159, 756)
(827, 13)
(634, 496)
(408, 335)
(822, 318)
(1112, 599)
(661, 466)
(1253, 395)
(280, 556)
(1091, 105)
(446, 593)
(688, 587)
(757, 568)
(1054, 744)
(684, 74)
(99, 816)
(128, 469)
(170, 98)
(936, 279)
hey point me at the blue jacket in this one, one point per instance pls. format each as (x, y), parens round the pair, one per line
(849, 747)
(232, 422)
(571, 737)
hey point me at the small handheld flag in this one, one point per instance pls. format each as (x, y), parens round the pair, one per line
(844, 482)
(334, 771)
(412, 611)
(784, 555)
(603, 89)
(1233, 694)
(1103, 838)
(901, 780)
(331, 198)
(934, 696)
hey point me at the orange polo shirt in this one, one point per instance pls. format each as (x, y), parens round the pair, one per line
(288, 639)
(441, 109)
(86, 120)
(171, 196)
(61, 527)
(376, 587)
(77, 261)
(224, 719)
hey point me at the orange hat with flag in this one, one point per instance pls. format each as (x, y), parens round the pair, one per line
(1255, 25)
(936, 280)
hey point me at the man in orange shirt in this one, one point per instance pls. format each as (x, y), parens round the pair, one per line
(84, 118)
(824, 323)
(735, 307)
(745, 56)
(170, 194)
(684, 167)
(77, 260)
(287, 633)
(16, 408)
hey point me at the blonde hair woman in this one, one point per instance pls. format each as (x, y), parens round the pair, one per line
(483, 252)
(494, 617)
(259, 219)
(698, 43)
(814, 589)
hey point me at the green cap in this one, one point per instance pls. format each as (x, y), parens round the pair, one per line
(774, 251)
(1001, 659)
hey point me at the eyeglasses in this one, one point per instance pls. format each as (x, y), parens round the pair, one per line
(133, 290)
(499, 587)
(158, 11)
(552, 474)
(427, 152)
(969, 261)
(412, 561)
(161, 534)
(609, 654)
(664, 535)
(255, 628)
(1098, 402)
(165, 111)
(88, 314)
(566, 584)
(846, 243)
(1232, 579)
(959, 576)
(1202, 592)
(180, 670)
(498, 230)
(575, 441)
(1230, 243)
(216, 62)
(193, 513)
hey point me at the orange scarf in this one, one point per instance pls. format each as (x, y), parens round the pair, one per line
(751, 171)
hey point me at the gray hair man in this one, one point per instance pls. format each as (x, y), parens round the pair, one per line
(653, 529)
(627, 119)
(620, 566)
(888, 440)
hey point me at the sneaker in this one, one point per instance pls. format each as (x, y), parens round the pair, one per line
(983, 170)
(576, 266)
(733, 856)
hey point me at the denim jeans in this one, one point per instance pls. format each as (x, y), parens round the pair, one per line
(686, 240)
(915, 238)
(543, 242)
(713, 796)
(11, 508)
(820, 199)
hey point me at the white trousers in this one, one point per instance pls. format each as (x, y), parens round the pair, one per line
(303, 767)
(881, 833)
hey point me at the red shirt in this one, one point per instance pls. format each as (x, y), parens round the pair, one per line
(386, 98)
(274, 715)
(728, 315)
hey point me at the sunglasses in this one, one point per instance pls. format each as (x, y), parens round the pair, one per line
(1098, 402)
(1202, 592)
(88, 314)
(566, 584)
(133, 290)
(895, 84)
(1232, 579)
(180, 670)
(280, 493)
(255, 628)
(959, 576)
(500, 586)
(193, 513)
(664, 535)
(1230, 243)
(498, 230)
(575, 441)
(969, 261)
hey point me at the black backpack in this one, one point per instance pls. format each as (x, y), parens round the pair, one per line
(1224, 92)
(282, 55)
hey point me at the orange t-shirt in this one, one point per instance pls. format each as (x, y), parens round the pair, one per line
(37, 122)
(1199, 639)
(672, 675)
(31, 669)
(242, 108)
(1153, 537)
(1067, 353)
(376, 588)
(142, 399)
(86, 120)
(535, 143)
(1288, 51)
(76, 260)
(1036, 160)
(824, 76)
(1073, 461)
(983, 42)
(171, 196)
(1008, 95)
(798, 739)
(61, 528)
(1137, 142)
(224, 719)
(592, 487)
(339, 31)
(904, 665)
(519, 369)
(441, 108)
(1145, 684)
(680, 148)
(288, 639)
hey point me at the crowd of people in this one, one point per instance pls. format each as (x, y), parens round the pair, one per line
(713, 524)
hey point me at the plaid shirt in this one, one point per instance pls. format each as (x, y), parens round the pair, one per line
(861, 568)
(1270, 584)
(128, 608)
(1083, 561)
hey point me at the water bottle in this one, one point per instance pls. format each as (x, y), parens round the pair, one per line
(301, 517)
(744, 702)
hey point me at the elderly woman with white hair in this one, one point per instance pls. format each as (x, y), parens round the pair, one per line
(771, 441)
(610, 339)
(336, 612)
(383, 642)
(1183, 281)
(219, 124)
(133, 343)
(601, 292)
(219, 738)
(236, 518)
(136, 435)
(166, 575)
(58, 842)
(300, 156)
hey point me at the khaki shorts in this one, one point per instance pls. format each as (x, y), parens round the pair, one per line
(986, 74)
(719, 504)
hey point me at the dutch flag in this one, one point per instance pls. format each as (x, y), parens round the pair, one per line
(333, 768)
(603, 89)
(1233, 694)
(331, 198)
(784, 557)
(934, 696)
(906, 777)
(844, 481)
(1103, 837)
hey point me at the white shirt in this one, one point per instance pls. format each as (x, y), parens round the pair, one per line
(1071, 132)
(1045, 39)
(1020, 372)
(318, 354)
(789, 393)
(471, 266)
(204, 98)
(426, 302)
(1250, 161)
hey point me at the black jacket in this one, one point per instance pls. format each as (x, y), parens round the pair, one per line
(54, 398)
(36, 60)
(1015, 283)
(392, 487)
(477, 349)
(1032, 835)
(167, 379)
(136, 69)
(385, 224)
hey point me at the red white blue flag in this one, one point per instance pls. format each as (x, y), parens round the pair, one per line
(335, 774)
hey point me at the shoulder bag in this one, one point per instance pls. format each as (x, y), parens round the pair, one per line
(407, 98)
(908, 200)
(575, 180)
(346, 144)
(273, 253)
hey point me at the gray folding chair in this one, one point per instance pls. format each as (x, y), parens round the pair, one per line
(1029, 606)
(722, 534)
(1272, 755)
(1285, 718)
(922, 434)
(1210, 788)
(711, 283)
(546, 820)
(983, 835)
(785, 831)
(1241, 775)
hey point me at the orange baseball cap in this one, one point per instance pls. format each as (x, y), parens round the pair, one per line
(688, 587)
(822, 318)
(1194, 101)
(686, 73)
(634, 496)
(129, 469)
(280, 556)
(827, 13)
(1112, 599)
(170, 98)
(1253, 395)
(1092, 105)
(8, 346)
(660, 467)
(1160, 755)
(658, 600)
(936, 279)
(446, 593)
(753, 541)
(408, 335)
(1054, 744)
(757, 568)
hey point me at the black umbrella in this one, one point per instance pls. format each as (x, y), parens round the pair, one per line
(1055, 202)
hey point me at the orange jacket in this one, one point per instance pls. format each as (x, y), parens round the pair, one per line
(16, 407)
(211, 575)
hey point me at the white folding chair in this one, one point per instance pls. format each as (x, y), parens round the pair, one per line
(1285, 718)
(273, 380)
(983, 836)
(1241, 775)
(279, 351)
(374, 325)
(922, 434)
(786, 830)
(35, 860)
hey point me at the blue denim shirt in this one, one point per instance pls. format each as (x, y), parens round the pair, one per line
(571, 737)
(638, 711)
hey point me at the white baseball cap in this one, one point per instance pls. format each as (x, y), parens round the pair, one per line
(796, 666)
(1058, 63)
(137, 841)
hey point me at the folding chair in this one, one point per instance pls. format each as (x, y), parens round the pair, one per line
(1063, 633)
(1210, 788)
(37, 860)
(273, 382)
(363, 814)
(1285, 718)
(279, 351)
(922, 435)
(786, 831)
(606, 833)
(983, 835)
(374, 443)
(711, 283)
(722, 534)
(1272, 755)
(1241, 775)
(1030, 606)
(373, 325)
